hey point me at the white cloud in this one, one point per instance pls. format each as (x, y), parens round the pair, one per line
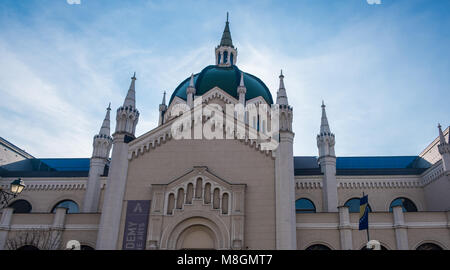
(73, 2)
(372, 2)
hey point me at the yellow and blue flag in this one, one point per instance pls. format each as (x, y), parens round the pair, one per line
(364, 213)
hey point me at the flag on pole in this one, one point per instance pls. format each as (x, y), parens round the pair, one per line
(364, 213)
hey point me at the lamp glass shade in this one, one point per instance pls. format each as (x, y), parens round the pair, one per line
(17, 186)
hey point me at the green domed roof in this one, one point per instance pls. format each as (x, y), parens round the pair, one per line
(227, 79)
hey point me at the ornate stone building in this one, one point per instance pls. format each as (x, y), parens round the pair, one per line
(158, 191)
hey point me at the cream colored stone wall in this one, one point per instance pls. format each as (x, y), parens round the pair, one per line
(421, 227)
(437, 194)
(44, 193)
(380, 197)
(80, 227)
(231, 160)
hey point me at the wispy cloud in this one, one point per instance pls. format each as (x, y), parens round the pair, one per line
(380, 71)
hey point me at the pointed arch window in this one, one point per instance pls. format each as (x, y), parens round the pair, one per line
(225, 57)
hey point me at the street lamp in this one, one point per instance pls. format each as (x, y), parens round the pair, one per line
(16, 187)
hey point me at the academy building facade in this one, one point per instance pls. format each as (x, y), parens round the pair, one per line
(157, 191)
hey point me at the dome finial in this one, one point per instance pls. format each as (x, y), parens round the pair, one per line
(227, 16)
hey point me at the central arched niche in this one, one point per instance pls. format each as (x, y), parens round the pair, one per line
(197, 237)
(210, 229)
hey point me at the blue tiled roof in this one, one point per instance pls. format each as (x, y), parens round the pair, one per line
(47, 167)
(67, 164)
(377, 165)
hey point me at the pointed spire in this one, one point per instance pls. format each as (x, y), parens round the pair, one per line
(164, 99)
(105, 129)
(281, 94)
(130, 100)
(281, 80)
(242, 80)
(226, 36)
(324, 127)
(441, 135)
(191, 87)
(191, 82)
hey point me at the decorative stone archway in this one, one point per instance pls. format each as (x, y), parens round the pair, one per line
(199, 203)
(197, 237)
(173, 236)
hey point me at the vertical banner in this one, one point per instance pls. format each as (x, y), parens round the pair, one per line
(136, 223)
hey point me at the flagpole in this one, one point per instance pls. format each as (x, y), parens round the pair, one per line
(368, 236)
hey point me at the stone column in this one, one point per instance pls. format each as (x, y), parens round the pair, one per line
(5, 223)
(59, 219)
(108, 234)
(401, 234)
(285, 193)
(345, 229)
(93, 187)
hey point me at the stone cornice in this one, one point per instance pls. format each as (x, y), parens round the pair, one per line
(53, 184)
(161, 134)
(433, 173)
(357, 182)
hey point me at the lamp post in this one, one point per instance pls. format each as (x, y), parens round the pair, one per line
(16, 187)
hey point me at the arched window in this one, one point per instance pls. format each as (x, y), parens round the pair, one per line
(28, 247)
(218, 57)
(318, 247)
(225, 203)
(86, 247)
(21, 206)
(406, 204)
(231, 58)
(225, 57)
(190, 193)
(198, 188)
(207, 196)
(216, 198)
(180, 198)
(171, 204)
(304, 205)
(353, 205)
(381, 247)
(429, 246)
(71, 206)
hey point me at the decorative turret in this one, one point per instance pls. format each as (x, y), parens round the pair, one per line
(325, 139)
(100, 154)
(127, 115)
(103, 141)
(444, 149)
(126, 121)
(284, 177)
(285, 109)
(226, 54)
(242, 90)
(162, 110)
(190, 92)
(327, 161)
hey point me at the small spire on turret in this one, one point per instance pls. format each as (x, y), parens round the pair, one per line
(242, 90)
(105, 129)
(164, 99)
(324, 127)
(281, 94)
(130, 100)
(191, 82)
(190, 92)
(441, 135)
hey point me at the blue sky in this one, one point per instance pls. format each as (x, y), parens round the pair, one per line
(382, 69)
